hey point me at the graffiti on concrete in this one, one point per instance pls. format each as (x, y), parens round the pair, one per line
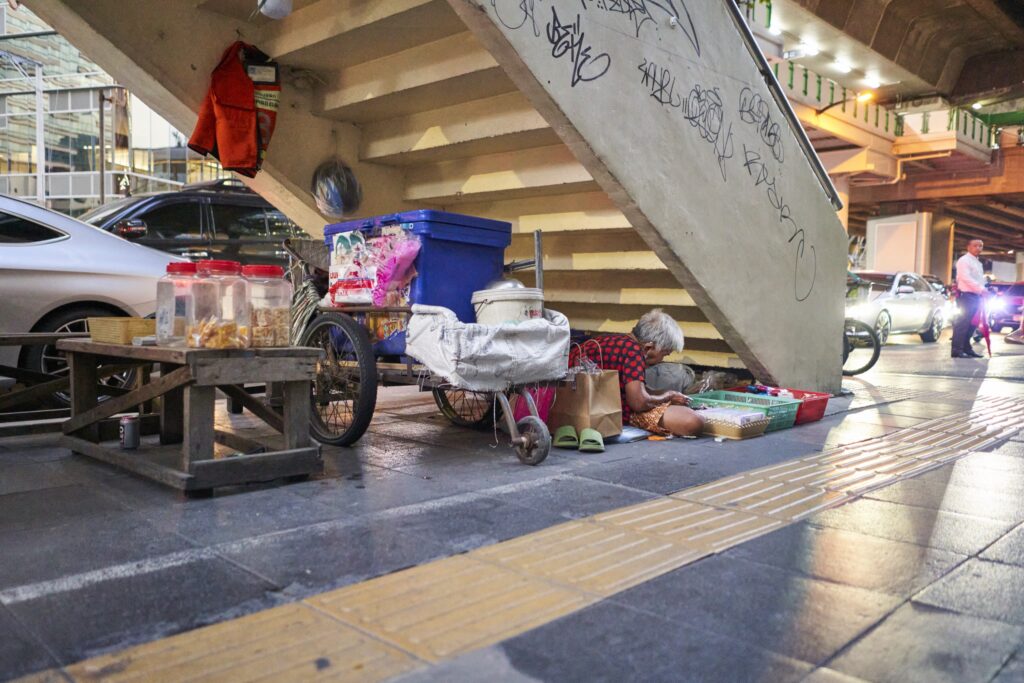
(569, 39)
(643, 12)
(705, 112)
(660, 83)
(754, 110)
(805, 268)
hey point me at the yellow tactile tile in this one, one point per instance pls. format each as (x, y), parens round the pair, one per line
(786, 471)
(445, 608)
(47, 676)
(293, 642)
(903, 468)
(601, 560)
(789, 502)
(728, 491)
(681, 521)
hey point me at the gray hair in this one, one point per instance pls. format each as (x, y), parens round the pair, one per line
(659, 329)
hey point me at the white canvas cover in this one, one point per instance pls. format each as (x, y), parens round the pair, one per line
(488, 357)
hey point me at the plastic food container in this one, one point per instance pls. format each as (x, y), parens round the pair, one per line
(497, 306)
(270, 298)
(812, 407)
(173, 303)
(220, 313)
(780, 411)
(458, 255)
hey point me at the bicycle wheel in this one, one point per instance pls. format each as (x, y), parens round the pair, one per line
(861, 347)
(344, 393)
(464, 408)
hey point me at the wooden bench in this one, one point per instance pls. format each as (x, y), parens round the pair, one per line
(190, 453)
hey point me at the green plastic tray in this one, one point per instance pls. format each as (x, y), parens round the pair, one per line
(780, 411)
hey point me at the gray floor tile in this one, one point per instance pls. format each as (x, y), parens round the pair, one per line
(770, 608)
(80, 545)
(935, 493)
(137, 608)
(983, 589)
(919, 643)
(1012, 671)
(827, 675)
(874, 416)
(573, 497)
(227, 518)
(610, 642)
(460, 525)
(332, 554)
(1009, 549)
(374, 489)
(48, 507)
(921, 409)
(850, 558)
(951, 531)
(17, 477)
(20, 652)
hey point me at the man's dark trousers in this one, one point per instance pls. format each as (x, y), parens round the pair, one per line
(964, 327)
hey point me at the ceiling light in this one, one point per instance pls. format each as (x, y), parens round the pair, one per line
(775, 30)
(865, 96)
(842, 67)
(808, 49)
(872, 80)
(976, 106)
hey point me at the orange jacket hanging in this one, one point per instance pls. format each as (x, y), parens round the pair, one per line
(237, 118)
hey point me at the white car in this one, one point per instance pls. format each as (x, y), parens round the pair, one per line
(56, 271)
(896, 303)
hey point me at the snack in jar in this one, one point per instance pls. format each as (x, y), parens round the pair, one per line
(220, 312)
(270, 297)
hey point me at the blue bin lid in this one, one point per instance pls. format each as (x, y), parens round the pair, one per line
(420, 216)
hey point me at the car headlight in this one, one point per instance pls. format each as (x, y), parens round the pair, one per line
(996, 306)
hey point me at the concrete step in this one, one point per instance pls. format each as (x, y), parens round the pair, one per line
(503, 123)
(444, 72)
(335, 34)
(508, 175)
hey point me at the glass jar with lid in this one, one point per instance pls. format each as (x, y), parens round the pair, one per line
(220, 310)
(174, 303)
(270, 298)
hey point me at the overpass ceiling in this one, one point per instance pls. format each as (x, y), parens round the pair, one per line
(995, 221)
(923, 44)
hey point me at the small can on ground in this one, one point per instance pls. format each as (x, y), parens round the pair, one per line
(129, 432)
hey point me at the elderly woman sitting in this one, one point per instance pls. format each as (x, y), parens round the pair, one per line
(655, 336)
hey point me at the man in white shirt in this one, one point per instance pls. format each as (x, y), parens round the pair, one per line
(970, 280)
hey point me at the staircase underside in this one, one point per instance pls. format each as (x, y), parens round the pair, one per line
(440, 105)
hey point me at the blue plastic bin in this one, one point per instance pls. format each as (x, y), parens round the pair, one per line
(458, 256)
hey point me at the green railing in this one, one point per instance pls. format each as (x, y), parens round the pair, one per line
(970, 126)
(815, 90)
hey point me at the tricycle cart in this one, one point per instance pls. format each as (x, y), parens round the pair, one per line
(344, 391)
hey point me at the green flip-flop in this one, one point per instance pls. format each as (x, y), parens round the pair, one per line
(565, 437)
(591, 441)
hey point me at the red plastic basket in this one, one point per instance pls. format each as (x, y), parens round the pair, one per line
(812, 408)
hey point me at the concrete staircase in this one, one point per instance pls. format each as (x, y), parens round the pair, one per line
(429, 117)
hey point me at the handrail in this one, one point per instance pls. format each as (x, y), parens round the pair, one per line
(783, 102)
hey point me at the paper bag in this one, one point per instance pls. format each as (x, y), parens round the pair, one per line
(588, 401)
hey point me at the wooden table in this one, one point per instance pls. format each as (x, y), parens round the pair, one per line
(185, 455)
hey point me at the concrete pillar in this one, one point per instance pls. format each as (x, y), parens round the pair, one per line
(842, 185)
(1020, 266)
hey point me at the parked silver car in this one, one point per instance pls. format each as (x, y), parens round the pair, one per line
(896, 303)
(56, 271)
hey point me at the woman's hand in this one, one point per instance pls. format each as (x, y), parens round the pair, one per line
(678, 399)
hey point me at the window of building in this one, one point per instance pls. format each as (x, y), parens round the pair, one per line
(239, 221)
(173, 222)
(17, 230)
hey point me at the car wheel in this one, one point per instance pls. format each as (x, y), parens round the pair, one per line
(51, 361)
(934, 330)
(883, 327)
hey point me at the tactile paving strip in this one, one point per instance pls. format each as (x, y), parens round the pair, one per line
(392, 624)
(291, 642)
(451, 606)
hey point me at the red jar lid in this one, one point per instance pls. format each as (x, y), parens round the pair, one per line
(231, 267)
(185, 268)
(263, 271)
